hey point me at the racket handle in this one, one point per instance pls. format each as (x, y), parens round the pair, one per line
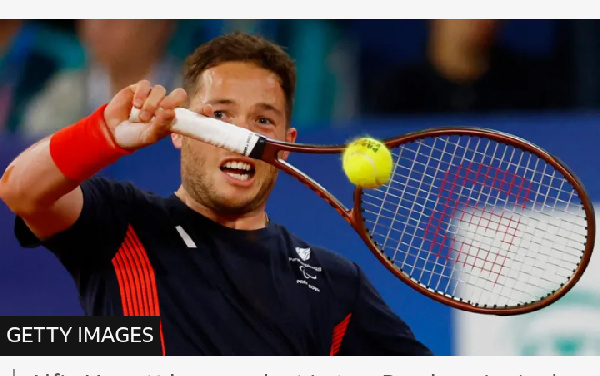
(209, 130)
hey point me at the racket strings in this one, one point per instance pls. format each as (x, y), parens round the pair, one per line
(478, 220)
(538, 177)
(471, 232)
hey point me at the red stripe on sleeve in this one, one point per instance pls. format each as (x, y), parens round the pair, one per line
(133, 278)
(149, 276)
(338, 335)
(141, 284)
(124, 287)
(137, 281)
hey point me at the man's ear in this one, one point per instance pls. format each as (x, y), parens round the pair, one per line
(290, 136)
(177, 140)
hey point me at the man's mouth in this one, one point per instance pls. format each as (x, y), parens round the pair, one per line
(238, 170)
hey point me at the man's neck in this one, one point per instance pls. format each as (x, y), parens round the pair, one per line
(458, 64)
(253, 220)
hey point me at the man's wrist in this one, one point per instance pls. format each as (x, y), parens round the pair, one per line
(86, 147)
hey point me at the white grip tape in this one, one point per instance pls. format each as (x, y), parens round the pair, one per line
(212, 131)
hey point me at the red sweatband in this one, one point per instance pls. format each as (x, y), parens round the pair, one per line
(82, 149)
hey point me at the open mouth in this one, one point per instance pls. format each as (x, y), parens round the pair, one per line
(238, 170)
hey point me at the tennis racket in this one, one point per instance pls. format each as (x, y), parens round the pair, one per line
(476, 219)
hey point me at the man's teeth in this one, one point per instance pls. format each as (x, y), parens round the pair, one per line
(238, 176)
(239, 169)
(238, 165)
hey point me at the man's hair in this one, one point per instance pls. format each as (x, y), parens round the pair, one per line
(242, 47)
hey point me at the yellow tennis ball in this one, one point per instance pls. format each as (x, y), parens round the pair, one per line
(367, 163)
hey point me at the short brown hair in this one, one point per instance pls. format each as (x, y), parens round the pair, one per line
(242, 47)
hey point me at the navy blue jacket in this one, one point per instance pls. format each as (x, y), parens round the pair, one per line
(217, 290)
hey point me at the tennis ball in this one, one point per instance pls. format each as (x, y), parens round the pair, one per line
(367, 163)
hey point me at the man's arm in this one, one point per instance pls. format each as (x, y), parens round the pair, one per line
(35, 190)
(373, 329)
(41, 185)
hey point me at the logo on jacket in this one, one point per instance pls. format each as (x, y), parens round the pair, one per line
(308, 271)
(304, 253)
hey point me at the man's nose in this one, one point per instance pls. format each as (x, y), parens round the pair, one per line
(242, 123)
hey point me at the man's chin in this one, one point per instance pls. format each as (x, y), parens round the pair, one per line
(239, 200)
(234, 205)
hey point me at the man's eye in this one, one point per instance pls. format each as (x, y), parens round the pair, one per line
(264, 120)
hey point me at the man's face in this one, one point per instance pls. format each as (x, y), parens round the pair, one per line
(249, 97)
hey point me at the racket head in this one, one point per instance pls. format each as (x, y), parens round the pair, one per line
(448, 229)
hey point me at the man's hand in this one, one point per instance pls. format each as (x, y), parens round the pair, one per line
(157, 112)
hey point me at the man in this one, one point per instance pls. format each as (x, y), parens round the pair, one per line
(109, 46)
(222, 278)
(467, 69)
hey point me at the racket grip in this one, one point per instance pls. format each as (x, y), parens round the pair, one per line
(209, 130)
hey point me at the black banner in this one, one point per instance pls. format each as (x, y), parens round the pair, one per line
(79, 336)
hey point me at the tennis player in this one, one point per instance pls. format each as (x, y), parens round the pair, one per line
(223, 278)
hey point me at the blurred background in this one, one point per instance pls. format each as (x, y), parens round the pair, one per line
(347, 69)
(538, 79)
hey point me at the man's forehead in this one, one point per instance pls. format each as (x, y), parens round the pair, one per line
(239, 82)
(238, 73)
